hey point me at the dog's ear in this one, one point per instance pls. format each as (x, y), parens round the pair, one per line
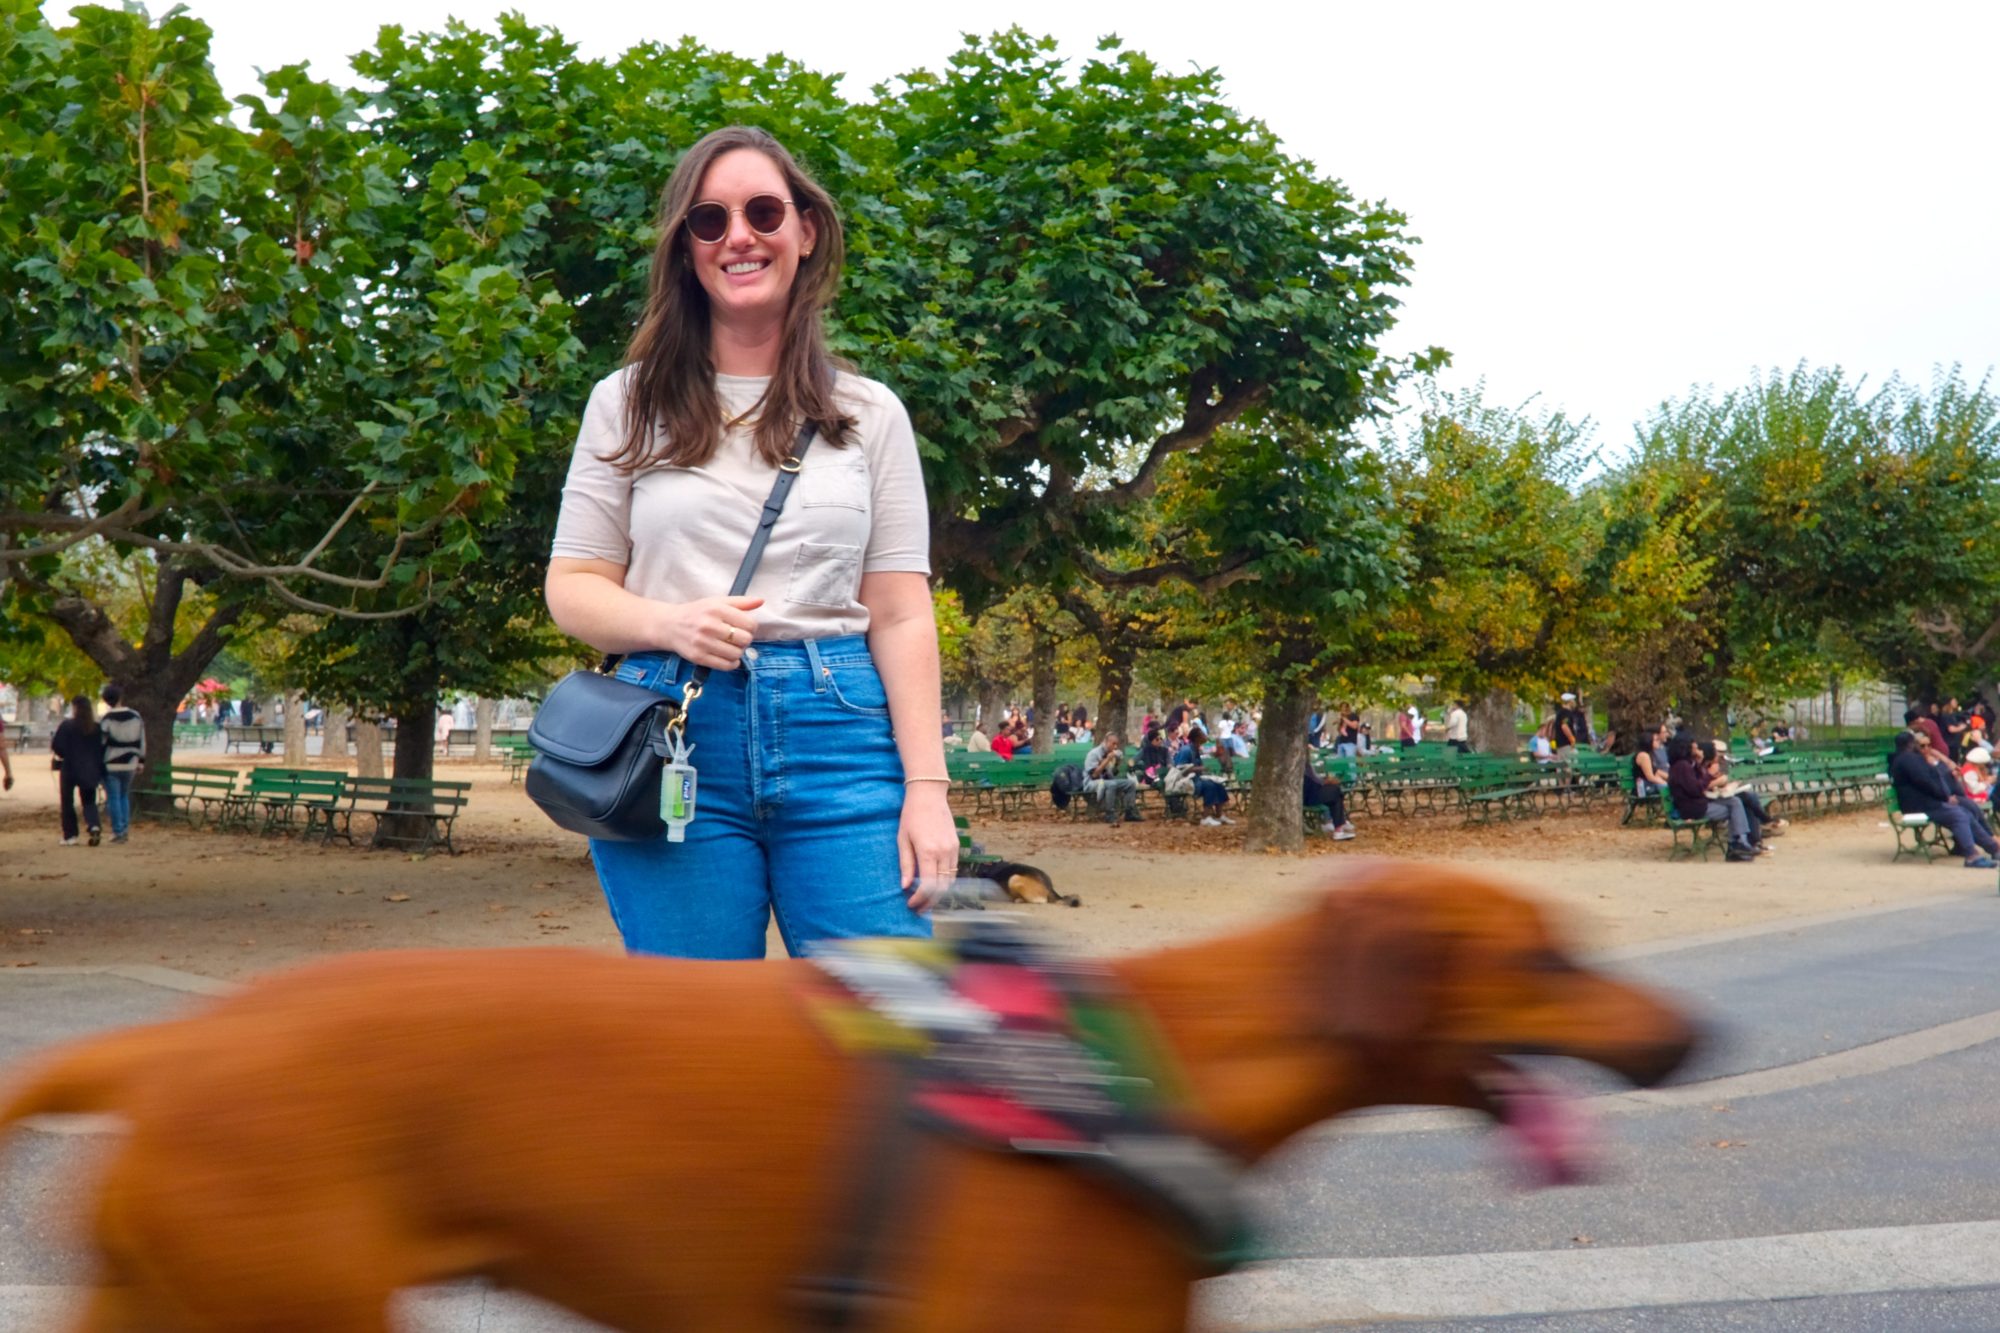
(1383, 958)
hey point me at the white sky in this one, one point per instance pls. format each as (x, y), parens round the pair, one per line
(1617, 201)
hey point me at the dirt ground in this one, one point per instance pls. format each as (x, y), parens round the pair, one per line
(228, 905)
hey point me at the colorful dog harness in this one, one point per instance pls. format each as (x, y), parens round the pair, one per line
(997, 1045)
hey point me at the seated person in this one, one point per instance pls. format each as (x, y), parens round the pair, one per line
(1328, 792)
(1235, 744)
(1689, 781)
(1111, 788)
(1649, 776)
(1003, 743)
(979, 742)
(1715, 758)
(1976, 775)
(1193, 739)
(1540, 748)
(1781, 735)
(1154, 758)
(1760, 744)
(1922, 790)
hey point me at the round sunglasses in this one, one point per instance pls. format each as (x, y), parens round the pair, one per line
(708, 221)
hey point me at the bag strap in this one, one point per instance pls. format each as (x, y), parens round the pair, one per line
(774, 504)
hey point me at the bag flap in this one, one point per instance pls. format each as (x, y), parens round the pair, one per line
(587, 716)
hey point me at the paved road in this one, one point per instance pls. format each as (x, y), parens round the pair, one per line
(1827, 1168)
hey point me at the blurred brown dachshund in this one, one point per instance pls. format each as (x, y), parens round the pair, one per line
(663, 1145)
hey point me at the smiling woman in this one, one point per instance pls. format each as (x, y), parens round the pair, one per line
(822, 783)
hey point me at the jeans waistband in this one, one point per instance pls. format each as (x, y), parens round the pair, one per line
(762, 655)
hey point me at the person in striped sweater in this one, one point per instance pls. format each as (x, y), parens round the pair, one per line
(124, 754)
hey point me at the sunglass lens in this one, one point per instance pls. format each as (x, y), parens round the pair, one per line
(708, 222)
(765, 213)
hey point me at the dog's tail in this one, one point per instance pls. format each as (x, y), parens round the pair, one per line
(92, 1075)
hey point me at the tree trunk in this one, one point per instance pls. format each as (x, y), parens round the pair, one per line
(367, 748)
(992, 703)
(154, 676)
(1042, 667)
(333, 737)
(1276, 792)
(1704, 709)
(295, 729)
(1489, 723)
(1114, 689)
(415, 741)
(483, 713)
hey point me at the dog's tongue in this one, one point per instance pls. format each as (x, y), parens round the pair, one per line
(1549, 1139)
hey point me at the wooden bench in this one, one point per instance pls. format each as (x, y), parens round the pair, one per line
(170, 791)
(274, 798)
(435, 804)
(235, 736)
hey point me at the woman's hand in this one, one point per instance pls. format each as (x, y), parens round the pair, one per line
(927, 844)
(712, 632)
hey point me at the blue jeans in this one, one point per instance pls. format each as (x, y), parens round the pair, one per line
(118, 801)
(798, 800)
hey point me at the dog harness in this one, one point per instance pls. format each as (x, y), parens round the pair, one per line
(993, 1043)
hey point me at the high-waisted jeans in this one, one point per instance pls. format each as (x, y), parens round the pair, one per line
(798, 799)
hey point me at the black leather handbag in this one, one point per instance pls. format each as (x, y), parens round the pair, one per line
(600, 742)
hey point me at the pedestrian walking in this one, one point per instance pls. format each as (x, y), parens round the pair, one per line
(77, 756)
(124, 755)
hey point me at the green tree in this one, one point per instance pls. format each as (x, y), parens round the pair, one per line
(199, 356)
(1525, 579)
(1825, 504)
(1312, 512)
(1073, 277)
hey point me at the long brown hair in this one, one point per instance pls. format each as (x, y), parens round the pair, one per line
(672, 412)
(81, 713)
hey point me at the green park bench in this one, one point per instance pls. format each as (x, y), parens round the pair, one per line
(273, 799)
(1492, 793)
(436, 804)
(515, 752)
(1924, 837)
(1704, 835)
(171, 791)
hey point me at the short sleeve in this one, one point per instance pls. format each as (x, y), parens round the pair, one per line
(899, 538)
(595, 521)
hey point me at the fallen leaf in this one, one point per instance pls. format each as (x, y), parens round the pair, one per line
(395, 897)
(1582, 1240)
(29, 963)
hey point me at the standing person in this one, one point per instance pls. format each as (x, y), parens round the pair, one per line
(1567, 732)
(124, 755)
(1409, 727)
(6, 764)
(1456, 727)
(442, 732)
(822, 787)
(77, 755)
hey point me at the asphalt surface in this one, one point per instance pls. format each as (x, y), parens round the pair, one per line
(1802, 1193)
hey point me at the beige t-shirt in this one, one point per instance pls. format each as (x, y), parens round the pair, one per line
(681, 532)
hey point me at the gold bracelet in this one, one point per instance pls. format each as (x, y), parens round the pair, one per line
(908, 781)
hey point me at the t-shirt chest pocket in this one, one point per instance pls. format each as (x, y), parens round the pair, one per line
(838, 484)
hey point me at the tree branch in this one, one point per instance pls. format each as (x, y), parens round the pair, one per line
(1201, 420)
(1232, 570)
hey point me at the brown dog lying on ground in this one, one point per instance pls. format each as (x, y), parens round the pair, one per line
(664, 1145)
(1022, 883)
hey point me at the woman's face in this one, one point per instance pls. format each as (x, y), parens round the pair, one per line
(748, 277)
